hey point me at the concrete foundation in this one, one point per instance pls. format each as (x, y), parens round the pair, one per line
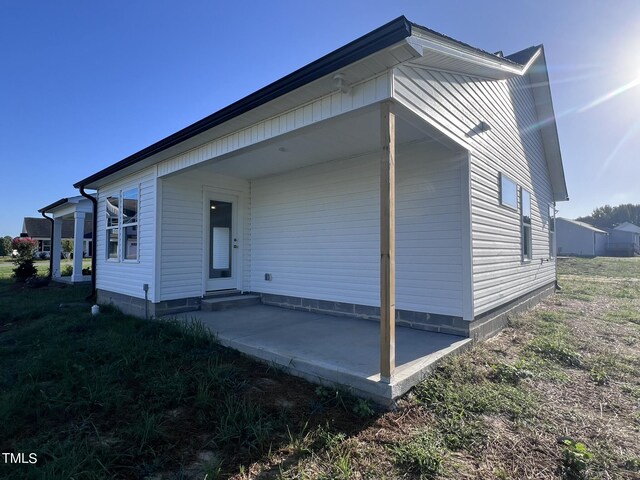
(483, 326)
(136, 306)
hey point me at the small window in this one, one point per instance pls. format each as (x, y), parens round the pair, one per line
(552, 231)
(508, 192)
(526, 224)
(113, 218)
(46, 245)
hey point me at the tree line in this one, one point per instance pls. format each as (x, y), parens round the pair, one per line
(610, 217)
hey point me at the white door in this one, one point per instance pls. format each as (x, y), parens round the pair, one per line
(223, 245)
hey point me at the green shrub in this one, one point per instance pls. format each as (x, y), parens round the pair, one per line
(67, 271)
(26, 248)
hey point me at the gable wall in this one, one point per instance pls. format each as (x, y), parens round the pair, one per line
(456, 104)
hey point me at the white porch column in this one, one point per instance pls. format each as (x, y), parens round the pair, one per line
(78, 244)
(56, 247)
(387, 242)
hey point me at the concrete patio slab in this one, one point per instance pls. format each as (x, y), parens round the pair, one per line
(330, 350)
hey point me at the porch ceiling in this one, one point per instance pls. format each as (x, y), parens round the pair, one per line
(348, 135)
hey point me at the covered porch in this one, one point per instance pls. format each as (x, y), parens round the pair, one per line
(330, 350)
(80, 211)
(313, 215)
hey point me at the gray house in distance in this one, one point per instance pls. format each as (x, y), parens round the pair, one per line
(580, 239)
(624, 239)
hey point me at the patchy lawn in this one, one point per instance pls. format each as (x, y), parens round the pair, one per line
(556, 395)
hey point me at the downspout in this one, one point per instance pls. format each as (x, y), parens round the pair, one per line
(51, 247)
(92, 295)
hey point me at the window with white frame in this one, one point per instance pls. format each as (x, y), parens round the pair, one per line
(122, 225)
(525, 209)
(130, 224)
(508, 192)
(113, 218)
(44, 246)
(552, 231)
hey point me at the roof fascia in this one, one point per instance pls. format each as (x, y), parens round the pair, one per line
(541, 88)
(55, 204)
(452, 48)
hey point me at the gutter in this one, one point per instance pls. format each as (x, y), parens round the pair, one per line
(389, 34)
(94, 234)
(51, 243)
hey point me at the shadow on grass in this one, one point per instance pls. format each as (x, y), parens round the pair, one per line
(119, 397)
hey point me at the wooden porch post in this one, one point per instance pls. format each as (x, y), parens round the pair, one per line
(387, 242)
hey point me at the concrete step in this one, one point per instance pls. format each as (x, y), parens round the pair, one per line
(223, 303)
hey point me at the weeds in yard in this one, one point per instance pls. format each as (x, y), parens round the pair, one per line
(624, 314)
(513, 374)
(422, 454)
(459, 393)
(553, 343)
(632, 464)
(575, 459)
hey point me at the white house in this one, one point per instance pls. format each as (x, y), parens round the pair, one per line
(580, 239)
(70, 218)
(405, 174)
(39, 229)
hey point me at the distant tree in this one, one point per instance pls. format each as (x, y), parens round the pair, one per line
(5, 246)
(67, 247)
(610, 217)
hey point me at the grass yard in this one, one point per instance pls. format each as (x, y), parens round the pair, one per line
(555, 395)
(7, 266)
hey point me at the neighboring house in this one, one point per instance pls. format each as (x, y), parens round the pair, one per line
(40, 229)
(624, 239)
(580, 239)
(70, 218)
(297, 191)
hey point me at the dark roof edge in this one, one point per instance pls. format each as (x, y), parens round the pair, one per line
(378, 39)
(524, 56)
(62, 201)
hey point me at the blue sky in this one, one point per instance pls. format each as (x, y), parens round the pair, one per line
(84, 84)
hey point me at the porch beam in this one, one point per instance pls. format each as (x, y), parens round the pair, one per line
(387, 242)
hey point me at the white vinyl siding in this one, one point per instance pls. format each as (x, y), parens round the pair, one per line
(456, 104)
(316, 231)
(182, 246)
(129, 277)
